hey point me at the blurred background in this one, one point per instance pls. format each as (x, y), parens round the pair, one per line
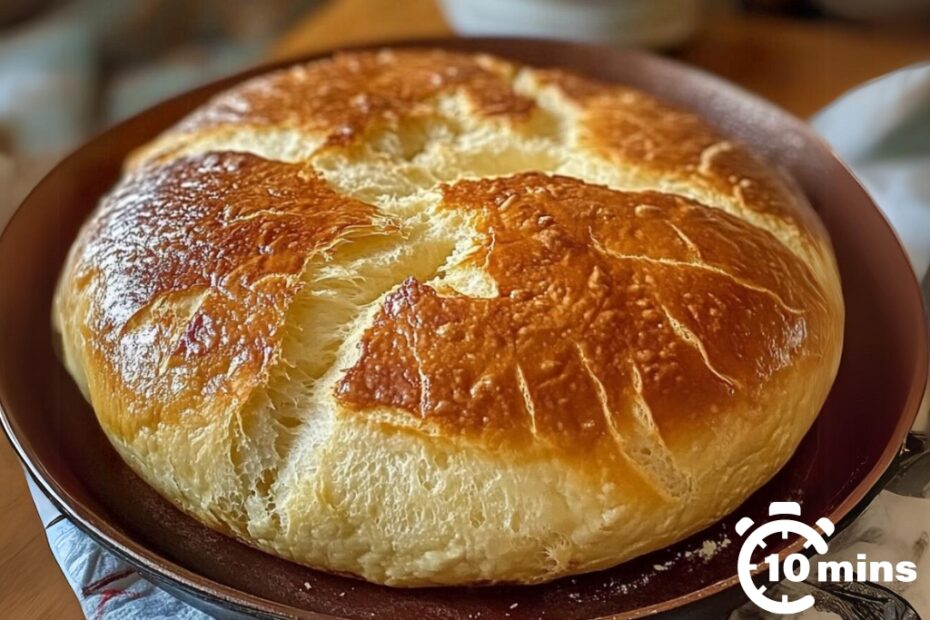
(70, 67)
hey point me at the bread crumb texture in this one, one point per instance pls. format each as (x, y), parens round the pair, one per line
(431, 318)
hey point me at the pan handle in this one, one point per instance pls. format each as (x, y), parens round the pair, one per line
(853, 601)
(909, 474)
(916, 442)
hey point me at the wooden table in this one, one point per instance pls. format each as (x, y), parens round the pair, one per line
(799, 65)
(31, 584)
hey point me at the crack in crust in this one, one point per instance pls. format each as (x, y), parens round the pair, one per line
(689, 243)
(642, 444)
(690, 338)
(527, 400)
(670, 262)
(706, 163)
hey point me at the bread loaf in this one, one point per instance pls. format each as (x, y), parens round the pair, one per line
(434, 318)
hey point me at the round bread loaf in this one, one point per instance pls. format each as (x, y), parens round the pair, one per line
(434, 318)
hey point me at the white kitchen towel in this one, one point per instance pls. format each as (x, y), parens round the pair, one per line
(881, 129)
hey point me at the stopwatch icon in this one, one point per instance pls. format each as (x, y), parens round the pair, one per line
(756, 540)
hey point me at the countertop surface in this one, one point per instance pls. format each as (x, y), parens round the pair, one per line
(800, 65)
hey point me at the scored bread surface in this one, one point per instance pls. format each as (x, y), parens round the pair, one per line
(433, 318)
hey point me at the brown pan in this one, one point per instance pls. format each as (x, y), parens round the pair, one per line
(857, 435)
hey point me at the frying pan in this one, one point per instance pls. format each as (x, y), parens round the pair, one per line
(839, 463)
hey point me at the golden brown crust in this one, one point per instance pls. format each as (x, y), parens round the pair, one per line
(637, 131)
(191, 266)
(345, 95)
(619, 315)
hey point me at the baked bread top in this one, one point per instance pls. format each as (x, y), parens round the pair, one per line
(434, 318)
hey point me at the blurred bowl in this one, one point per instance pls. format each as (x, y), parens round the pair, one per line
(625, 23)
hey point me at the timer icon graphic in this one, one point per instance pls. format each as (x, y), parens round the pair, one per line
(801, 564)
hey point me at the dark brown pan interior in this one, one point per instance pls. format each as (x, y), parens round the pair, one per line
(855, 438)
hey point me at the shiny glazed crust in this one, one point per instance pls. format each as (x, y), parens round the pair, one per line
(431, 318)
